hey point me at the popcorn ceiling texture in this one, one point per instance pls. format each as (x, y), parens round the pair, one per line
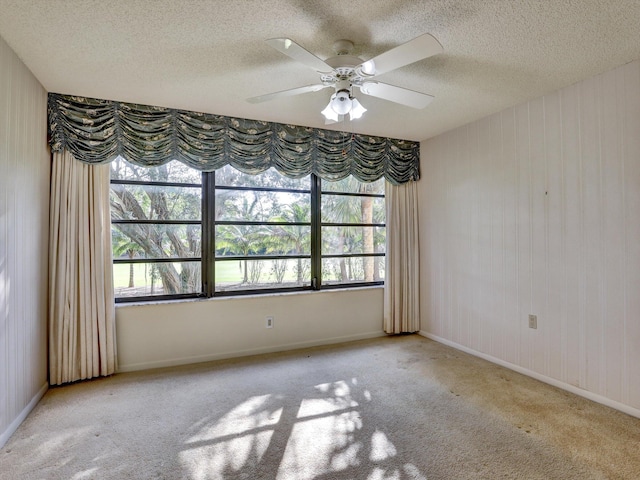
(210, 55)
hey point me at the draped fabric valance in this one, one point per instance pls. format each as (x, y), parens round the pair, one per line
(97, 131)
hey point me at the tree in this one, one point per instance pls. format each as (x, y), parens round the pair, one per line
(242, 240)
(154, 238)
(262, 206)
(122, 245)
(342, 209)
(292, 239)
(152, 203)
(356, 210)
(279, 269)
(366, 211)
(379, 237)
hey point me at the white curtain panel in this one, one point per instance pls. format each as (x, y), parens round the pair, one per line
(81, 302)
(402, 261)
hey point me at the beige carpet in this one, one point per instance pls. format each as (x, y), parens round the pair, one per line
(391, 408)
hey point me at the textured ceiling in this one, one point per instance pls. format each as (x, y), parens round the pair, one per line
(209, 56)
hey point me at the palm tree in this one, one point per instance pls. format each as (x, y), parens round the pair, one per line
(343, 209)
(122, 245)
(379, 237)
(356, 210)
(238, 239)
(292, 239)
(366, 211)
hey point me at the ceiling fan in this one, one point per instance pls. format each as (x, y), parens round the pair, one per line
(345, 73)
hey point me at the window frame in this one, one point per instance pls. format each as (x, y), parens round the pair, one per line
(118, 261)
(347, 224)
(212, 222)
(208, 225)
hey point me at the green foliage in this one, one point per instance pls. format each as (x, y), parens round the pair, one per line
(158, 203)
(134, 202)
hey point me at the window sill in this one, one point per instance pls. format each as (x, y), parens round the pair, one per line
(250, 296)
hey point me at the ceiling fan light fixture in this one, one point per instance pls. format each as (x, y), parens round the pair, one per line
(356, 109)
(329, 113)
(341, 102)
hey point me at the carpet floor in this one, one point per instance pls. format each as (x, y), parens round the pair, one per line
(389, 408)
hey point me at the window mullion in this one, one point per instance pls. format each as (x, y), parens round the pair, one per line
(208, 233)
(316, 229)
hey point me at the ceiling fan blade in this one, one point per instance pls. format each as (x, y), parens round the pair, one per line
(417, 49)
(400, 95)
(286, 93)
(295, 51)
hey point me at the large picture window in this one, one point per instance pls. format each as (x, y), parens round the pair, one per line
(178, 232)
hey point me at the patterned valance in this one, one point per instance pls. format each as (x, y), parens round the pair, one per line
(97, 131)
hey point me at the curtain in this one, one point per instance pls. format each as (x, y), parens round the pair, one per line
(97, 131)
(402, 260)
(81, 301)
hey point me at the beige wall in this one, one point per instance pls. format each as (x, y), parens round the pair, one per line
(164, 334)
(536, 210)
(24, 220)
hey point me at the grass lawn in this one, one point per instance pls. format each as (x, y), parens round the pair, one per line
(226, 272)
(229, 276)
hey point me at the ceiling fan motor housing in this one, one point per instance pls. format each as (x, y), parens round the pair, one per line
(343, 47)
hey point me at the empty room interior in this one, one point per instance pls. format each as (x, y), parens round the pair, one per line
(298, 239)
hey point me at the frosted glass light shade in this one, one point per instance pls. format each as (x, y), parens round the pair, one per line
(329, 113)
(341, 102)
(356, 110)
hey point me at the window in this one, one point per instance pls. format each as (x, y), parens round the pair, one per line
(262, 235)
(353, 231)
(156, 225)
(178, 232)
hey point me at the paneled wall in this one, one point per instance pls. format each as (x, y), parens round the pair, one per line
(536, 210)
(24, 220)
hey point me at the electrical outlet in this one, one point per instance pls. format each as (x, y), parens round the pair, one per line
(533, 321)
(269, 321)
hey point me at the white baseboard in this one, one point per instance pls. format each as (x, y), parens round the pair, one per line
(4, 437)
(173, 362)
(543, 378)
